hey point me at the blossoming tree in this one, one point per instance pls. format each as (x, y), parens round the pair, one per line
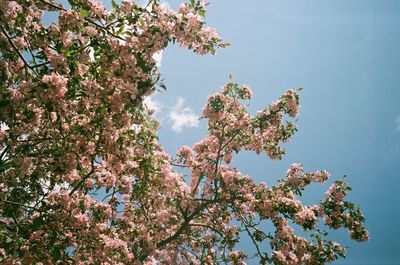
(83, 179)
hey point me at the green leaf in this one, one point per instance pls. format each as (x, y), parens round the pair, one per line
(202, 12)
(114, 4)
(5, 166)
(4, 103)
(84, 12)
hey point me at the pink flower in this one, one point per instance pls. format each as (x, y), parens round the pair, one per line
(279, 256)
(57, 83)
(97, 9)
(11, 11)
(81, 218)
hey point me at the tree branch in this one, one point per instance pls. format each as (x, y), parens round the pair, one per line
(77, 186)
(86, 19)
(22, 205)
(17, 51)
(185, 224)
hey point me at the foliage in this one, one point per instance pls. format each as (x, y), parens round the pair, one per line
(83, 179)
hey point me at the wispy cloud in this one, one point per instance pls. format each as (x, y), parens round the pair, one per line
(165, 4)
(145, 3)
(182, 116)
(398, 123)
(153, 105)
(158, 57)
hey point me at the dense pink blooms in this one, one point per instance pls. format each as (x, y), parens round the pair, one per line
(306, 216)
(83, 179)
(57, 85)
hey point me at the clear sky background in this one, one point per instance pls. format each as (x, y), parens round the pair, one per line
(345, 53)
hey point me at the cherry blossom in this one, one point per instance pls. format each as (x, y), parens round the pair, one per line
(83, 178)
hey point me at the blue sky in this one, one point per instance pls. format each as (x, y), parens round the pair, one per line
(345, 53)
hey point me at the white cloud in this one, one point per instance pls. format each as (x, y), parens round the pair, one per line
(182, 117)
(145, 4)
(153, 104)
(158, 57)
(398, 123)
(165, 4)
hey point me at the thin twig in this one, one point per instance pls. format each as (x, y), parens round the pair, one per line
(22, 205)
(40, 64)
(178, 165)
(86, 19)
(17, 51)
(53, 5)
(77, 186)
(246, 226)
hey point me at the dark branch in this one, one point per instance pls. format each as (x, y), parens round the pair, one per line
(22, 205)
(17, 51)
(86, 19)
(77, 186)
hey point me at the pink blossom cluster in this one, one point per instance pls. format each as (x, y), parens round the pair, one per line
(261, 133)
(57, 86)
(298, 179)
(11, 10)
(340, 213)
